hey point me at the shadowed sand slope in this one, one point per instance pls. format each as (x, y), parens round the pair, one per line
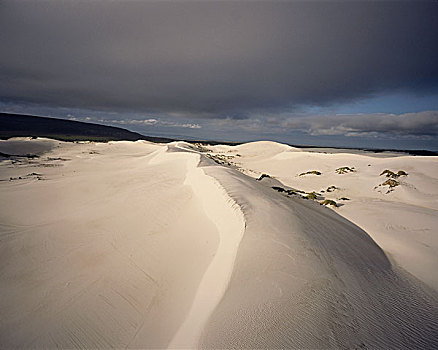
(305, 277)
(403, 220)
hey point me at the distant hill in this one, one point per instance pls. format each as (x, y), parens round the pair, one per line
(15, 125)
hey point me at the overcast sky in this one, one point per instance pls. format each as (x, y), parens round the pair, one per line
(346, 73)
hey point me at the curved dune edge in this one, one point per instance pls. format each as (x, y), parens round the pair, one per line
(226, 214)
(107, 250)
(305, 277)
(403, 221)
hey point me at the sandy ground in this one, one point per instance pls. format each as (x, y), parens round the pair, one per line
(107, 249)
(141, 245)
(403, 222)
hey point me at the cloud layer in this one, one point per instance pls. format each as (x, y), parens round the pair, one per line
(422, 124)
(214, 59)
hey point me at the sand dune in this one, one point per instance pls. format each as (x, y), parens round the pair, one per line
(107, 250)
(141, 245)
(403, 222)
(307, 278)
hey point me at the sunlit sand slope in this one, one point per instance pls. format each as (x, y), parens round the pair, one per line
(104, 245)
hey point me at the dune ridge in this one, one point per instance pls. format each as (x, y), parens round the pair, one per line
(140, 245)
(226, 214)
(318, 281)
(229, 221)
(402, 221)
(106, 250)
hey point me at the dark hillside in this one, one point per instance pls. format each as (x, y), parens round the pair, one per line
(14, 125)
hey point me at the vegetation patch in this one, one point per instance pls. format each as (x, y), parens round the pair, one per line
(345, 170)
(331, 189)
(201, 147)
(394, 175)
(220, 159)
(57, 158)
(15, 156)
(289, 192)
(312, 195)
(312, 172)
(391, 183)
(329, 202)
(279, 189)
(28, 176)
(344, 199)
(263, 176)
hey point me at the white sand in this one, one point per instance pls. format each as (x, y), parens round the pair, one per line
(314, 279)
(404, 222)
(229, 221)
(140, 245)
(107, 250)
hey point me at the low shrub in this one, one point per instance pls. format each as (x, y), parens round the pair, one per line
(345, 170)
(329, 202)
(311, 195)
(263, 176)
(312, 172)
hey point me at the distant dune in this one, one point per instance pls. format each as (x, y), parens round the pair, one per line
(145, 245)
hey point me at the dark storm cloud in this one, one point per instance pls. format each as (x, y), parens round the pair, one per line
(421, 124)
(215, 58)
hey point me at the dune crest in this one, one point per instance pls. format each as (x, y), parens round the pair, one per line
(402, 219)
(228, 218)
(305, 277)
(141, 245)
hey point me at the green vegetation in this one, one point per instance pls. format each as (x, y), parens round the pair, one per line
(312, 196)
(201, 147)
(388, 173)
(391, 174)
(329, 202)
(220, 159)
(312, 172)
(279, 189)
(391, 183)
(331, 188)
(28, 176)
(345, 170)
(294, 191)
(263, 176)
(291, 191)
